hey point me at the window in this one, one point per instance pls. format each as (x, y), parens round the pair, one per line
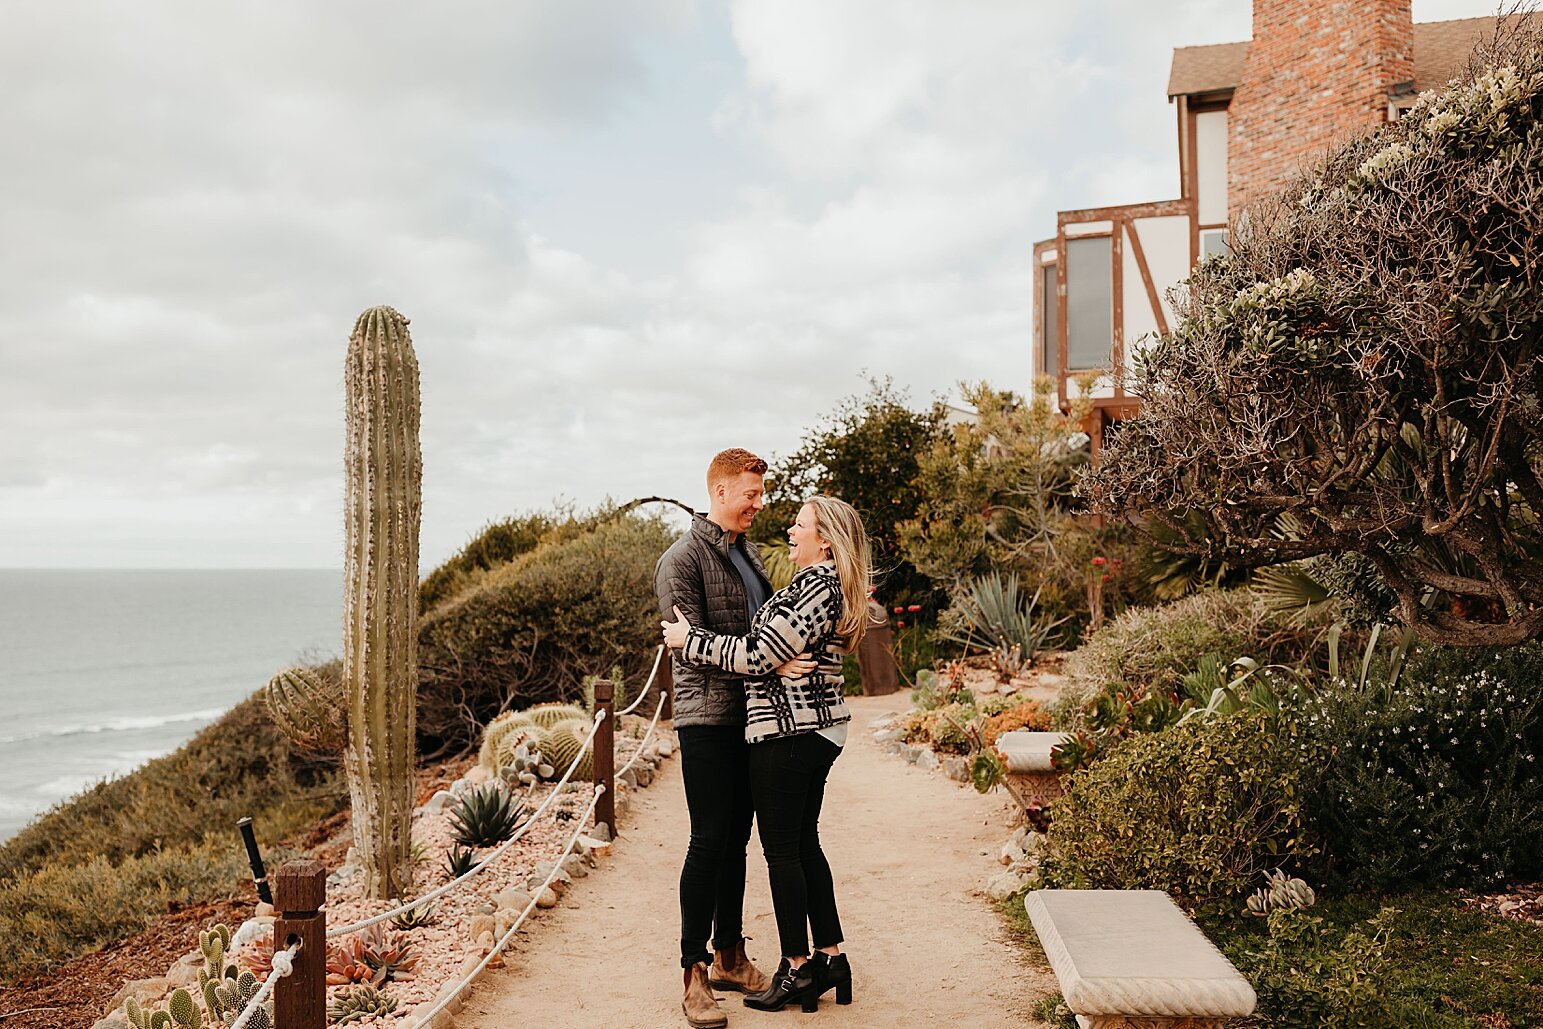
(1212, 241)
(1049, 323)
(1089, 302)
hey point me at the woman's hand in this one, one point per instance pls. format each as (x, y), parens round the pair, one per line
(675, 632)
(797, 667)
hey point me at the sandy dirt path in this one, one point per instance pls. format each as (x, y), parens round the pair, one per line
(909, 849)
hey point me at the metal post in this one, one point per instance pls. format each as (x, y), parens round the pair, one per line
(605, 755)
(665, 684)
(300, 999)
(255, 859)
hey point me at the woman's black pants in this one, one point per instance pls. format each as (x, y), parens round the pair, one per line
(787, 780)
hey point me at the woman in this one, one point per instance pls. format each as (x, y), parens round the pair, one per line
(796, 728)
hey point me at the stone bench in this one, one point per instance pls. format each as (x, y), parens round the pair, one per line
(1130, 959)
(1028, 763)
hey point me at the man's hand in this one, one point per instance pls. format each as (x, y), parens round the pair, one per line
(675, 632)
(797, 667)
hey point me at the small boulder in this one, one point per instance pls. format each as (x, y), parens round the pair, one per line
(547, 899)
(144, 991)
(926, 760)
(114, 1019)
(439, 801)
(1005, 885)
(600, 832)
(478, 774)
(956, 768)
(511, 899)
(573, 864)
(481, 924)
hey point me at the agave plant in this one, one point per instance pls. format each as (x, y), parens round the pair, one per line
(994, 614)
(486, 816)
(459, 860)
(417, 917)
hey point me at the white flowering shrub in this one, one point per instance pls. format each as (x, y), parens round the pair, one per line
(1436, 779)
(1368, 360)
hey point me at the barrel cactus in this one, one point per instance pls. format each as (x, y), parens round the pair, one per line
(501, 735)
(308, 707)
(382, 512)
(548, 715)
(565, 741)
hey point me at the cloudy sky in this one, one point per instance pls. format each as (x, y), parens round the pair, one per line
(628, 234)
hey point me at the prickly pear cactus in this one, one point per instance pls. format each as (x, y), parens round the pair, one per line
(309, 708)
(384, 470)
(563, 742)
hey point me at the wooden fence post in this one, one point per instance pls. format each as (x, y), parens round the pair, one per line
(665, 684)
(300, 999)
(605, 755)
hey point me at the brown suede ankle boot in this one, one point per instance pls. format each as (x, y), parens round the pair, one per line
(701, 1007)
(733, 970)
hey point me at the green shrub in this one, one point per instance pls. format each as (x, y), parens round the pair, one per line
(1199, 810)
(1436, 779)
(497, 543)
(67, 909)
(528, 631)
(1423, 959)
(1152, 649)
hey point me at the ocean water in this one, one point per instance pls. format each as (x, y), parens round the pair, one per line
(102, 670)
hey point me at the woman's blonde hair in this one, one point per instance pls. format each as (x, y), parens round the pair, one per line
(839, 524)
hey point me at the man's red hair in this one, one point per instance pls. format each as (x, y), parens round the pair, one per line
(728, 464)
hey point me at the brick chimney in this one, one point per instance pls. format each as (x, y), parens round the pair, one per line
(1316, 73)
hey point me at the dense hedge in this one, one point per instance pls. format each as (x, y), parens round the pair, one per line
(1435, 779)
(1199, 810)
(529, 631)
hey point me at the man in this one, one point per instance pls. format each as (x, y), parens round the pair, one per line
(715, 577)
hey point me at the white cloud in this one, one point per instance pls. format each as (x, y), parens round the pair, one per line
(611, 274)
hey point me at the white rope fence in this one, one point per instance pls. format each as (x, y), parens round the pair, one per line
(644, 691)
(447, 995)
(658, 710)
(502, 848)
(283, 964)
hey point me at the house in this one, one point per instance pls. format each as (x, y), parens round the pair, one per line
(1249, 115)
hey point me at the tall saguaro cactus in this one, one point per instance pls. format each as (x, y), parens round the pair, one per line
(384, 469)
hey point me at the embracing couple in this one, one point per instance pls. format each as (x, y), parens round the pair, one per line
(760, 719)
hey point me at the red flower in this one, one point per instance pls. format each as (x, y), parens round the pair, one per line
(900, 624)
(899, 610)
(914, 608)
(1099, 562)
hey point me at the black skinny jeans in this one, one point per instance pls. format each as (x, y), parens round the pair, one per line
(714, 764)
(787, 779)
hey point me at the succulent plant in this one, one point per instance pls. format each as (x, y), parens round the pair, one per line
(383, 465)
(1281, 893)
(522, 761)
(390, 954)
(511, 726)
(358, 1003)
(485, 816)
(181, 1012)
(346, 963)
(564, 742)
(459, 860)
(547, 715)
(416, 918)
(308, 706)
(258, 956)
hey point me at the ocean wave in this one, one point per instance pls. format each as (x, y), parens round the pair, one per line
(123, 723)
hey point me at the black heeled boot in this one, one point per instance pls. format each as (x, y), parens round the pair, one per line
(833, 970)
(789, 984)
